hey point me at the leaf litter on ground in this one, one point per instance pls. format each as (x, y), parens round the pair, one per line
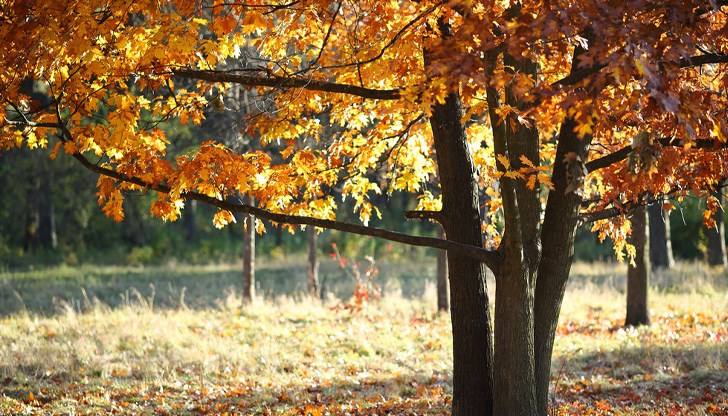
(303, 357)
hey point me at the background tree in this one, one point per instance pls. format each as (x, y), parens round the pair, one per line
(716, 230)
(312, 279)
(661, 256)
(638, 273)
(248, 258)
(542, 105)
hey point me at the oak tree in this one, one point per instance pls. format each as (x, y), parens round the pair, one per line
(531, 117)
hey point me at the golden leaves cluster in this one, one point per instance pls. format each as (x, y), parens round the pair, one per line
(107, 71)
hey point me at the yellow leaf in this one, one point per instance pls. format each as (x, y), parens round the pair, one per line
(717, 132)
(56, 148)
(504, 161)
(513, 174)
(223, 218)
(526, 161)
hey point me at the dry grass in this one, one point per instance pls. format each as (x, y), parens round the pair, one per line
(291, 354)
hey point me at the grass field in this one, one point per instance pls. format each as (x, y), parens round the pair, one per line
(177, 340)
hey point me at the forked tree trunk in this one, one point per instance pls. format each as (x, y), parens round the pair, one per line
(660, 244)
(249, 259)
(716, 236)
(313, 265)
(514, 391)
(514, 379)
(638, 275)
(443, 301)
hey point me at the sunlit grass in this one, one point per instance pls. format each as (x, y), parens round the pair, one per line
(136, 354)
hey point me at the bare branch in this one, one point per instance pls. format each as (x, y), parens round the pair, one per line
(286, 83)
(609, 159)
(624, 152)
(424, 215)
(705, 59)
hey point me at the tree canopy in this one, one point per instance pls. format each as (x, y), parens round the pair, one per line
(647, 78)
(512, 119)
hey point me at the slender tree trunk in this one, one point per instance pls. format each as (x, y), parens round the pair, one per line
(32, 217)
(660, 244)
(188, 220)
(47, 236)
(472, 343)
(313, 265)
(716, 236)
(443, 302)
(638, 276)
(278, 232)
(249, 259)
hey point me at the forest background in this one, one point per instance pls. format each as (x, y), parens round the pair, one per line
(49, 216)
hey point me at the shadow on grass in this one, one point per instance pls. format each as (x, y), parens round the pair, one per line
(644, 378)
(366, 394)
(217, 394)
(54, 290)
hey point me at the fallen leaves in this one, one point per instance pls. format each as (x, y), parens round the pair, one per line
(298, 358)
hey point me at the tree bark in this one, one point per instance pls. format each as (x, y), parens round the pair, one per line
(443, 303)
(660, 244)
(638, 275)
(471, 330)
(514, 372)
(557, 238)
(716, 236)
(249, 259)
(313, 265)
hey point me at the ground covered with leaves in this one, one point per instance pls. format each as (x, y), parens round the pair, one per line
(301, 357)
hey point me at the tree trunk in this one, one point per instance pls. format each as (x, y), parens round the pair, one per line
(188, 220)
(313, 265)
(32, 217)
(47, 219)
(471, 331)
(716, 236)
(249, 259)
(443, 302)
(638, 276)
(660, 244)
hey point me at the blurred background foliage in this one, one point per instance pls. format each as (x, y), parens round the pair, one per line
(49, 216)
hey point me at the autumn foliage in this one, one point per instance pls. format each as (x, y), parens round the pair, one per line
(116, 72)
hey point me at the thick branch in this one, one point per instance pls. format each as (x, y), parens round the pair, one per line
(424, 215)
(609, 159)
(624, 152)
(576, 76)
(285, 83)
(709, 58)
(478, 253)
